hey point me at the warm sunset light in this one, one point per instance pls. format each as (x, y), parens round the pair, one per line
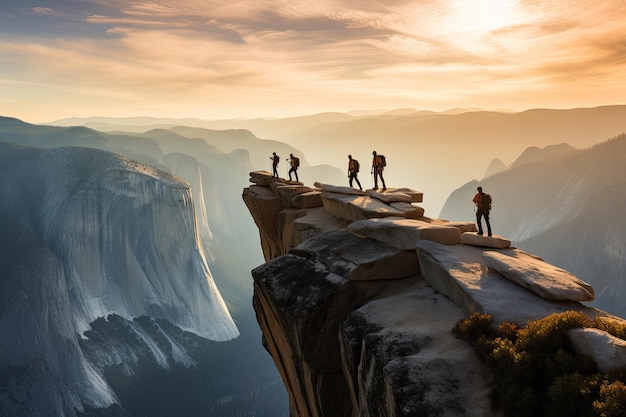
(218, 59)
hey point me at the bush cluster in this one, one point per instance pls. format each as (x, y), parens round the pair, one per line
(535, 371)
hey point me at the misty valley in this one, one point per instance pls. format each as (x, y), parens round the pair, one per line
(126, 250)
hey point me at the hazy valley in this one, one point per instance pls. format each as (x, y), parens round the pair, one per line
(556, 195)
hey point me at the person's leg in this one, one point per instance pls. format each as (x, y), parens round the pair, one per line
(382, 180)
(290, 171)
(376, 179)
(295, 171)
(479, 222)
(488, 224)
(351, 177)
(358, 182)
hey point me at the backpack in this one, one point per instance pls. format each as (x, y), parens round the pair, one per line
(357, 166)
(277, 158)
(485, 202)
(296, 162)
(383, 160)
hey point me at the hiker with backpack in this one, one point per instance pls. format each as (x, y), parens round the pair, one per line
(483, 207)
(295, 164)
(378, 165)
(275, 159)
(353, 171)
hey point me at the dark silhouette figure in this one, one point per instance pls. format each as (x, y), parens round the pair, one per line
(483, 206)
(295, 164)
(377, 170)
(275, 159)
(353, 171)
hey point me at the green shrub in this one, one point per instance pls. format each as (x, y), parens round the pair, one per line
(535, 372)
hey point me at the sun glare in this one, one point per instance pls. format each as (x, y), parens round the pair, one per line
(482, 15)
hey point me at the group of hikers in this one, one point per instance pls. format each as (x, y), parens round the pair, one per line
(378, 166)
(481, 200)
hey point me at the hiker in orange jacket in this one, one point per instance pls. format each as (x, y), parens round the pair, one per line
(483, 206)
(377, 170)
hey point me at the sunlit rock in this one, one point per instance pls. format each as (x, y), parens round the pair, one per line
(494, 241)
(607, 351)
(546, 280)
(405, 233)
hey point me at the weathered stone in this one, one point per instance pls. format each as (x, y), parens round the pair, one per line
(286, 192)
(404, 233)
(296, 226)
(458, 272)
(416, 196)
(261, 174)
(264, 210)
(544, 279)
(410, 362)
(608, 351)
(494, 241)
(391, 197)
(300, 306)
(354, 207)
(310, 199)
(410, 211)
(261, 191)
(259, 181)
(359, 259)
(336, 189)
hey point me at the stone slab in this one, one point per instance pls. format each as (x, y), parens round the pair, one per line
(355, 207)
(358, 259)
(544, 279)
(391, 197)
(404, 233)
(608, 351)
(416, 196)
(307, 200)
(410, 210)
(286, 192)
(458, 271)
(494, 241)
(338, 189)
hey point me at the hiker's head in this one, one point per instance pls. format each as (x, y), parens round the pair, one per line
(273, 153)
(349, 156)
(374, 153)
(291, 155)
(480, 189)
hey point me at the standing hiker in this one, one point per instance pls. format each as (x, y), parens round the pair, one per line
(275, 159)
(483, 207)
(295, 164)
(353, 171)
(378, 165)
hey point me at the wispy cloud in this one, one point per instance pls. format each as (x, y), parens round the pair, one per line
(268, 57)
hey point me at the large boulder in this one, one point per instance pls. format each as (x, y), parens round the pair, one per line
(356, 207)
(459, 272)
(608, 352)
(544, 279)
(358, 259)
(309, 199)
(404, 233)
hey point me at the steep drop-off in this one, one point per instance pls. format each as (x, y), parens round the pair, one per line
(360, 293)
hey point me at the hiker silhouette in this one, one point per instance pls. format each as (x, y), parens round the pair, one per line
(483, 207)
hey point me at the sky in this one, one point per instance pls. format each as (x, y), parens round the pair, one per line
(216, 59)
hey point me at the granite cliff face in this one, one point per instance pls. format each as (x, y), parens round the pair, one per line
(360, 292)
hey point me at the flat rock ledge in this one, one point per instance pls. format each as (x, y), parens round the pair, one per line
(546, 280)
(391, 283)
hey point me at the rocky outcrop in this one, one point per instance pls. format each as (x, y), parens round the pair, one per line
(357, 300)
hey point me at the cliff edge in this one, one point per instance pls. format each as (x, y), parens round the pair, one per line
(360, 292)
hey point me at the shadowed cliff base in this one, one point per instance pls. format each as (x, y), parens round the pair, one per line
(359, 295)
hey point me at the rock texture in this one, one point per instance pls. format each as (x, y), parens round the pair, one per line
(360, 292)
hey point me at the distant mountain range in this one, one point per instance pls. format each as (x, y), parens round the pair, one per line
(428, 151)
(566, 205)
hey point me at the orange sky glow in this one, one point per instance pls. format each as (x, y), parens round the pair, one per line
(253, 58)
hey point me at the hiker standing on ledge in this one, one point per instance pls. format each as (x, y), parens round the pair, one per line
(483, 207)
(295, 163)
(353, 171)
(275, 158)
(378, 164)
